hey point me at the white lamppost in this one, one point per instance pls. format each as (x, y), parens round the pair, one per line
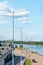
(13, 59)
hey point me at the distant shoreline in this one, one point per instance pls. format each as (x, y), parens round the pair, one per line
(24, 42)
(29, 43)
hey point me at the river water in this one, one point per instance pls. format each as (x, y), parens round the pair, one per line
(38, 49)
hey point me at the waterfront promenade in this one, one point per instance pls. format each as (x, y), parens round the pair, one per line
(38, 59)
(25, 54)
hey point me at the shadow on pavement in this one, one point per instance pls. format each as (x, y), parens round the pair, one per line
(17, 60)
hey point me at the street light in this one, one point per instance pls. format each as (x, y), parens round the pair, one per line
(12, 34)
(21, 45)
(13, 42)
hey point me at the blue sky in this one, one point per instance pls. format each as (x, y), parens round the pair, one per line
(28, 15)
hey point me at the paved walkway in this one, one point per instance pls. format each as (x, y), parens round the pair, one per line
(38, 58)
(35, 56)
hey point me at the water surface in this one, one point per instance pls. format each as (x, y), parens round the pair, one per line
(38, 49)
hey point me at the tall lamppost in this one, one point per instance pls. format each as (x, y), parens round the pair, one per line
(13, 59)
(21, 45)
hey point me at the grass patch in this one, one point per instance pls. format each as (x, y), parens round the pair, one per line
(28, 62)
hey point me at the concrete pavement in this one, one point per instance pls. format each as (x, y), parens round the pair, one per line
(37, 58)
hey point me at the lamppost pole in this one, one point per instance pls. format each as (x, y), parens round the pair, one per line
(13, 27)
(21, 45)
(13, 41)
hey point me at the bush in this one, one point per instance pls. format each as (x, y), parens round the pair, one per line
(28, 62)
(21, 46)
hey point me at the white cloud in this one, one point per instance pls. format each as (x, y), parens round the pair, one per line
(5, 36)
(3, 22)
(5, 6)
(34, 33)
(41, 33)
(31, 33)
(27, 21)
(22, 12)
(24, 20)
